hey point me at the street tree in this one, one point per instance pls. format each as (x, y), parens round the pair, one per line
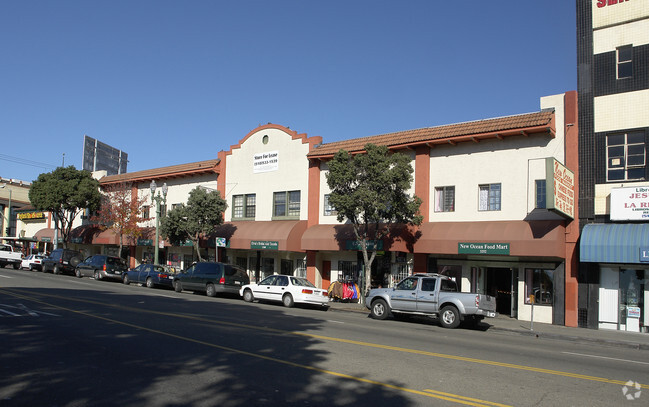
(121, 210)
(195, 220)
(65, 192)
(370, 191)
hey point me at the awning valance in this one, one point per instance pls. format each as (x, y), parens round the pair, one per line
(45, 235)
(525, 238)
(614, 243)
(287, 233)
(336, 237)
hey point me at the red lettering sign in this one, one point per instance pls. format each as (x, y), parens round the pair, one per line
(604, 3)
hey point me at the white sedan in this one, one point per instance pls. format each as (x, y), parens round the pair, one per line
(288, 290)
(32, 262)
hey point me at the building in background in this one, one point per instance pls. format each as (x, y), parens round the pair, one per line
(613, 86)
(98, 156)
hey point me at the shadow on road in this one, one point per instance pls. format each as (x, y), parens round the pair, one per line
(74, 347)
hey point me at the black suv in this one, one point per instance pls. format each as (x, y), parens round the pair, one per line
(101, 266)
(212, 278)
(62, 261)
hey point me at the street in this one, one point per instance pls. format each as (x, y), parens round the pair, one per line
(79, 342)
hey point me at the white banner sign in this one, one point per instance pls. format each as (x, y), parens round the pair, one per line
(630, 203)
(265, 162)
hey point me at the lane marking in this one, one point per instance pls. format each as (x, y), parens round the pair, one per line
(426, 393)
(353, 342)
(606, 357)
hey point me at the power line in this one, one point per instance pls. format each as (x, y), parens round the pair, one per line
(24, 161)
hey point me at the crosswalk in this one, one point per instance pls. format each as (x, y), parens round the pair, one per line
(21, 310)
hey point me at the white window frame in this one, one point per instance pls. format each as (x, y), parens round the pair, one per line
(621, 162)
(328, 209)
(624, 63)
(489, 197)
(445, 199)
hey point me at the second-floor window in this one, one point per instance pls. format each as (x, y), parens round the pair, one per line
(540, 194)
(489, 197)
(328, 209)
(625, 62)
(625, 156)
(244, 206)
(286, 203)
(444, 199)
(146, 211)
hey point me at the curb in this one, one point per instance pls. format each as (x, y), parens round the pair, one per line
(537, 334)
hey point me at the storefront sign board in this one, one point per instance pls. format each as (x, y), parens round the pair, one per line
(265, 162)
(483, 248)
(630, 203)
(264, 245)
(560, 188)
(371, 245)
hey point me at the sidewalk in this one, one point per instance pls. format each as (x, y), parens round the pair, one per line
(632, 340)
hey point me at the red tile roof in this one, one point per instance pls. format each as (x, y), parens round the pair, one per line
(524, 124)
(173, 171)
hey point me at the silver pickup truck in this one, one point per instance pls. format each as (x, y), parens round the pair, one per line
(432, 295)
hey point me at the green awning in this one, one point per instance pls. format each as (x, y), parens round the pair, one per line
(615, 243)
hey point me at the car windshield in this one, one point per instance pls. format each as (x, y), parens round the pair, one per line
(301, 282)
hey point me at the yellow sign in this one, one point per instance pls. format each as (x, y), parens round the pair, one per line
(31, 215)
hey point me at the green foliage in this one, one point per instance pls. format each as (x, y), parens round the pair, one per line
(195, 220)
(371, 188)
(370, 191)
(65, 192)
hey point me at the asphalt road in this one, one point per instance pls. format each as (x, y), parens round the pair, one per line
(80, 342)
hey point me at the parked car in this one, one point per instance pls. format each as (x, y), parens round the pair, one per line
(211, 278)
(101, 266)
(32, 262)
(8, 255)
(430, 295)
(288, 290)
(61, 261)
(150, 275)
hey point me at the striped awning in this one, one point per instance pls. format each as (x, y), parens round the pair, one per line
(614, 243)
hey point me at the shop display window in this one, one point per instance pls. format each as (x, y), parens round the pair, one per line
(539, 283)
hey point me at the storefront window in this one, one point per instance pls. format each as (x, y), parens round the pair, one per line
(286, 267)
(348, 270)
(539, 283)
(632, 299)
(455, 272)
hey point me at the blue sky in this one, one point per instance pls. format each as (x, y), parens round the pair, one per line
(174, 82)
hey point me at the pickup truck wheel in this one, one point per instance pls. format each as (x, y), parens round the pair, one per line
(16, 266)
(379, 309)
(247, 296)
(449, 317)
(149, 282)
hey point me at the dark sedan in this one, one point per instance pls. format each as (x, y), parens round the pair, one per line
(150, 275)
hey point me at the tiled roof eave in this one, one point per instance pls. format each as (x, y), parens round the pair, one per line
(526, 124)
(452, 140)
(177, 171)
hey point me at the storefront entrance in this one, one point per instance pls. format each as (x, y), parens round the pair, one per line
(622, 299)
(498, 282)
